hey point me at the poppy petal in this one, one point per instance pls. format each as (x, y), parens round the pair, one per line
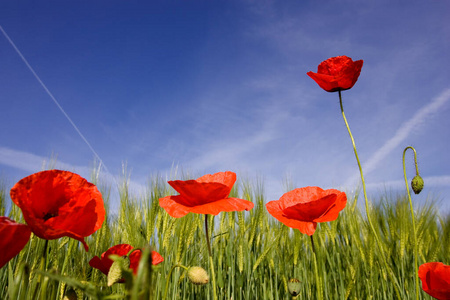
(326, 82)
(103, 263)
(275, 209)
(333, 211)
(435, 277)
(173, 207)
(310, 211)
(59, 203)
(120, 249)
(135, 257)
(176, 209)
(227, 178)
(301, 195)
(195, 193)
(14, 237)
(156, 258)
(97, 263)
(227, 204)
(207, 188)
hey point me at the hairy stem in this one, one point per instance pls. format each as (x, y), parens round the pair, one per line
(389, 271)
(168, 277)
(416, 266)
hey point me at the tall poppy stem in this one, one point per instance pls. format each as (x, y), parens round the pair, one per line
(356, 154)
(389, 271)
(211, 261)
(316, 271)
(416, 268)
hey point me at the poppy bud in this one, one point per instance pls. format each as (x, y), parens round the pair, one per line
(417, 184)
(70, 294)
(115, 272)
(294, 286)
(198, 275)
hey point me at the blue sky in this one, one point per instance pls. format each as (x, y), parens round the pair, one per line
(221, 85)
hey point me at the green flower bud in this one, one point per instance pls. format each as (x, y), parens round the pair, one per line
(294, 286)
(417, 184)
(198, 275)
(115, 272)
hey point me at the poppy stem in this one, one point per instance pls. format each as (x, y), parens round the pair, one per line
(44, 257)
(389, 271)
(416, 268)
(207, 235)
(168, 277)
(211, 261)
(354, 149)
(43, 268)
(312, 244)
(316, 272)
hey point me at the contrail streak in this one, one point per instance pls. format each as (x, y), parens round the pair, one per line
(102, 164)
(401, 134)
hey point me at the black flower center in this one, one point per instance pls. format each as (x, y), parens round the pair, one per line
(49, 215)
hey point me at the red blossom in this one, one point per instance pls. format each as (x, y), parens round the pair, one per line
(205, 195)
(103, 263)
(337, 73)
(14, 237)
(59, 203)
(435, 278)
(303, 208)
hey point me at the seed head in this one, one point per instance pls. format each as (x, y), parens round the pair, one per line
(294, 286)
(70, 294)
(198, 275)
(115, 272)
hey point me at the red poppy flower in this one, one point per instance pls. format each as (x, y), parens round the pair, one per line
(337, 73)
(104, 262)
(14, 237)
(303, 208)
(205, 195)
(435, 278)
(59, 203)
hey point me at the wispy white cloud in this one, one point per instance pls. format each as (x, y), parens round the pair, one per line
(232, 151)
(25, 161)
(402, 133)
(31, 163)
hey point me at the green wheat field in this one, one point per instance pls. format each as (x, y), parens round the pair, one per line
(254, 254)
